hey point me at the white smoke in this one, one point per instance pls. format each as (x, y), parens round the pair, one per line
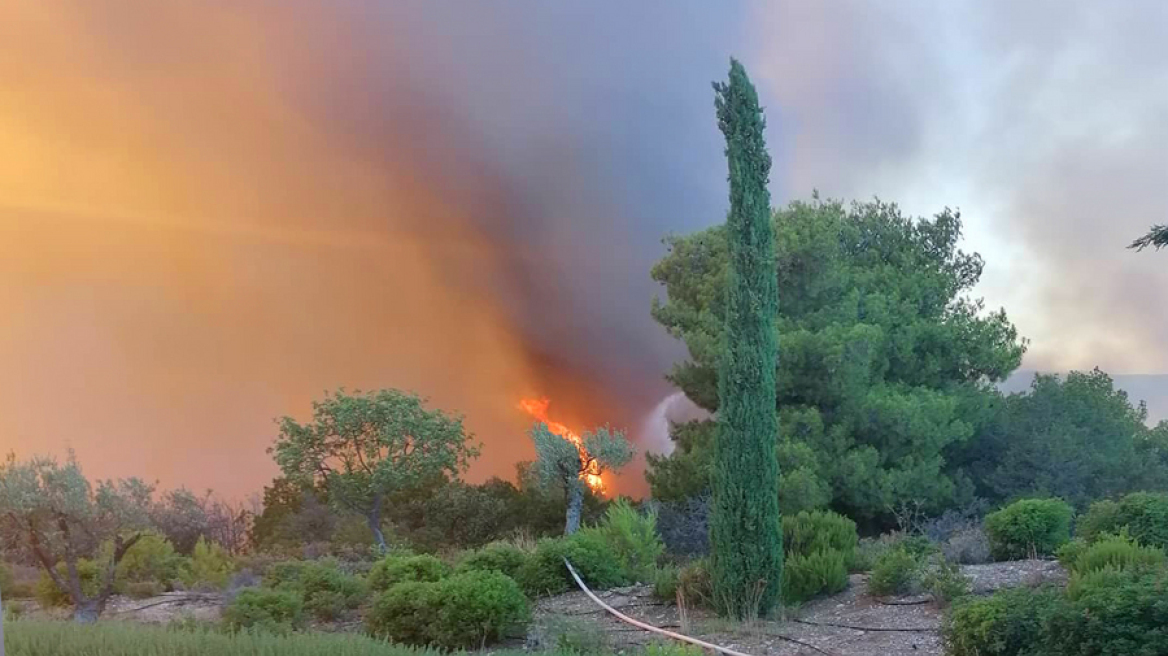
(674, 408)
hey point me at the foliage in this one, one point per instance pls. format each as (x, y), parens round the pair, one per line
(810, 532)
(57, 515)
(1113, 612)
(745, 538)
(327, 591)
(694, 584)
(277, 611)
(633, 539)
(562, 465)
(1143, 514)
(394, 569)
(151, 559)
(666, 581)
(361, 448)
(885, 358)
(587, 550)
(210, 566)
(1009, 623)
(968, 546)
(1157, 236)
(1077, 438)
(684, 526)
(50, 594)
(498, 557)
(183, 517)
(571, 635)
(1114, 552)
(48, 638)
(943, 579)
(466, 610)
(1029, 528)
(822, 571)
(896, 571)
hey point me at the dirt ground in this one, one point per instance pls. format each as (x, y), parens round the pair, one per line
(852, 623)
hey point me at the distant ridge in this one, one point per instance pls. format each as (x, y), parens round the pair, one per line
(1150, 388)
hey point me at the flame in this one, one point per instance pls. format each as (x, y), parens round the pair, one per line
(538, 408)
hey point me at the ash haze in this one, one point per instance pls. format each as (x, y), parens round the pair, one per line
(211, 213)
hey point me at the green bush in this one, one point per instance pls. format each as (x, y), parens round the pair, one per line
(1113, 612)
(151, 559)
(1144, 514)
(395, 569)
(327, 591)
(943, 579)
(571, 635)
(815, 531)
(1009, 623)
(463, 611)
(587, 550)
(897, 571)
(632, 538)
(49, 595)
(1117, 552)
(277, 611)
(497, 557)
(807, 576)
(1070, 552)
(1029, 528)
(665, 582)
(210, 566)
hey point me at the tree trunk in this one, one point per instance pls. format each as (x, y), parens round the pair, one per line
(87, 611)
(575, 507)
(374, 521)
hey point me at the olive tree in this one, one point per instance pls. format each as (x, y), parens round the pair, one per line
(59, 517)
(561, 463)
(361, 448)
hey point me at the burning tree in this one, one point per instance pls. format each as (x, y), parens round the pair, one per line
(362, 448)
(745, 537)
(566, 460)
(1157, 237)
(54, 513)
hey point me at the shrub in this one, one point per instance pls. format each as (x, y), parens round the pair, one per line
(327, 591)
(1113, 612)
(1029, 528)
(1069, 553)
(967, 546)
(49, 595)
(497, 557)
(395, 569)
(694, 584)
(142, 589)
(633, 539)
(821, 572)
(897, 571)
(151, 559)
(1143, 513)
(685, 526)
(587, 550)
(811, 532)
(569, 635)
(277, 611)
(1118, 552)
(665, 582)
(1009, 623)
(462, 611)
(13, 610)
(210, 566)
(943, 579)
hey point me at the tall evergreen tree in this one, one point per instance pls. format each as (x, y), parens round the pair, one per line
(1157, 236)
(745, 536)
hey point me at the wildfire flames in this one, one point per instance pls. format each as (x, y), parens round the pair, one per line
(591, 473)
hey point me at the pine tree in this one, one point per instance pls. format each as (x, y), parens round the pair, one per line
(745, 536)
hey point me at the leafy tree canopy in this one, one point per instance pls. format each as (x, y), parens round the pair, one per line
(1157, 237)
(361, 448)
(560, 464)
(884, 354)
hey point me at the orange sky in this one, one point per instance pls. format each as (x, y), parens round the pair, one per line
(185, 255)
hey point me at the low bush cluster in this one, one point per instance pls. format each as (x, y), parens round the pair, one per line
(402, 568)
(896, 571)
(327, 591)
(274, 611)
(819, 547)
(502, 557)
(1029, 528)
(1111, 552)
(1144, 515)
(465, 610)
(588, 551)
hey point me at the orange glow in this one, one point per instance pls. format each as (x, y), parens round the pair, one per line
(538, 408)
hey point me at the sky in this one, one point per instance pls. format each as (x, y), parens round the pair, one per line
(212, 213)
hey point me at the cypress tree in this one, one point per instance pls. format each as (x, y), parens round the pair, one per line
(745, 536)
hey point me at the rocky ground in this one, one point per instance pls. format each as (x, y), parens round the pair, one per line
(852, 623)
